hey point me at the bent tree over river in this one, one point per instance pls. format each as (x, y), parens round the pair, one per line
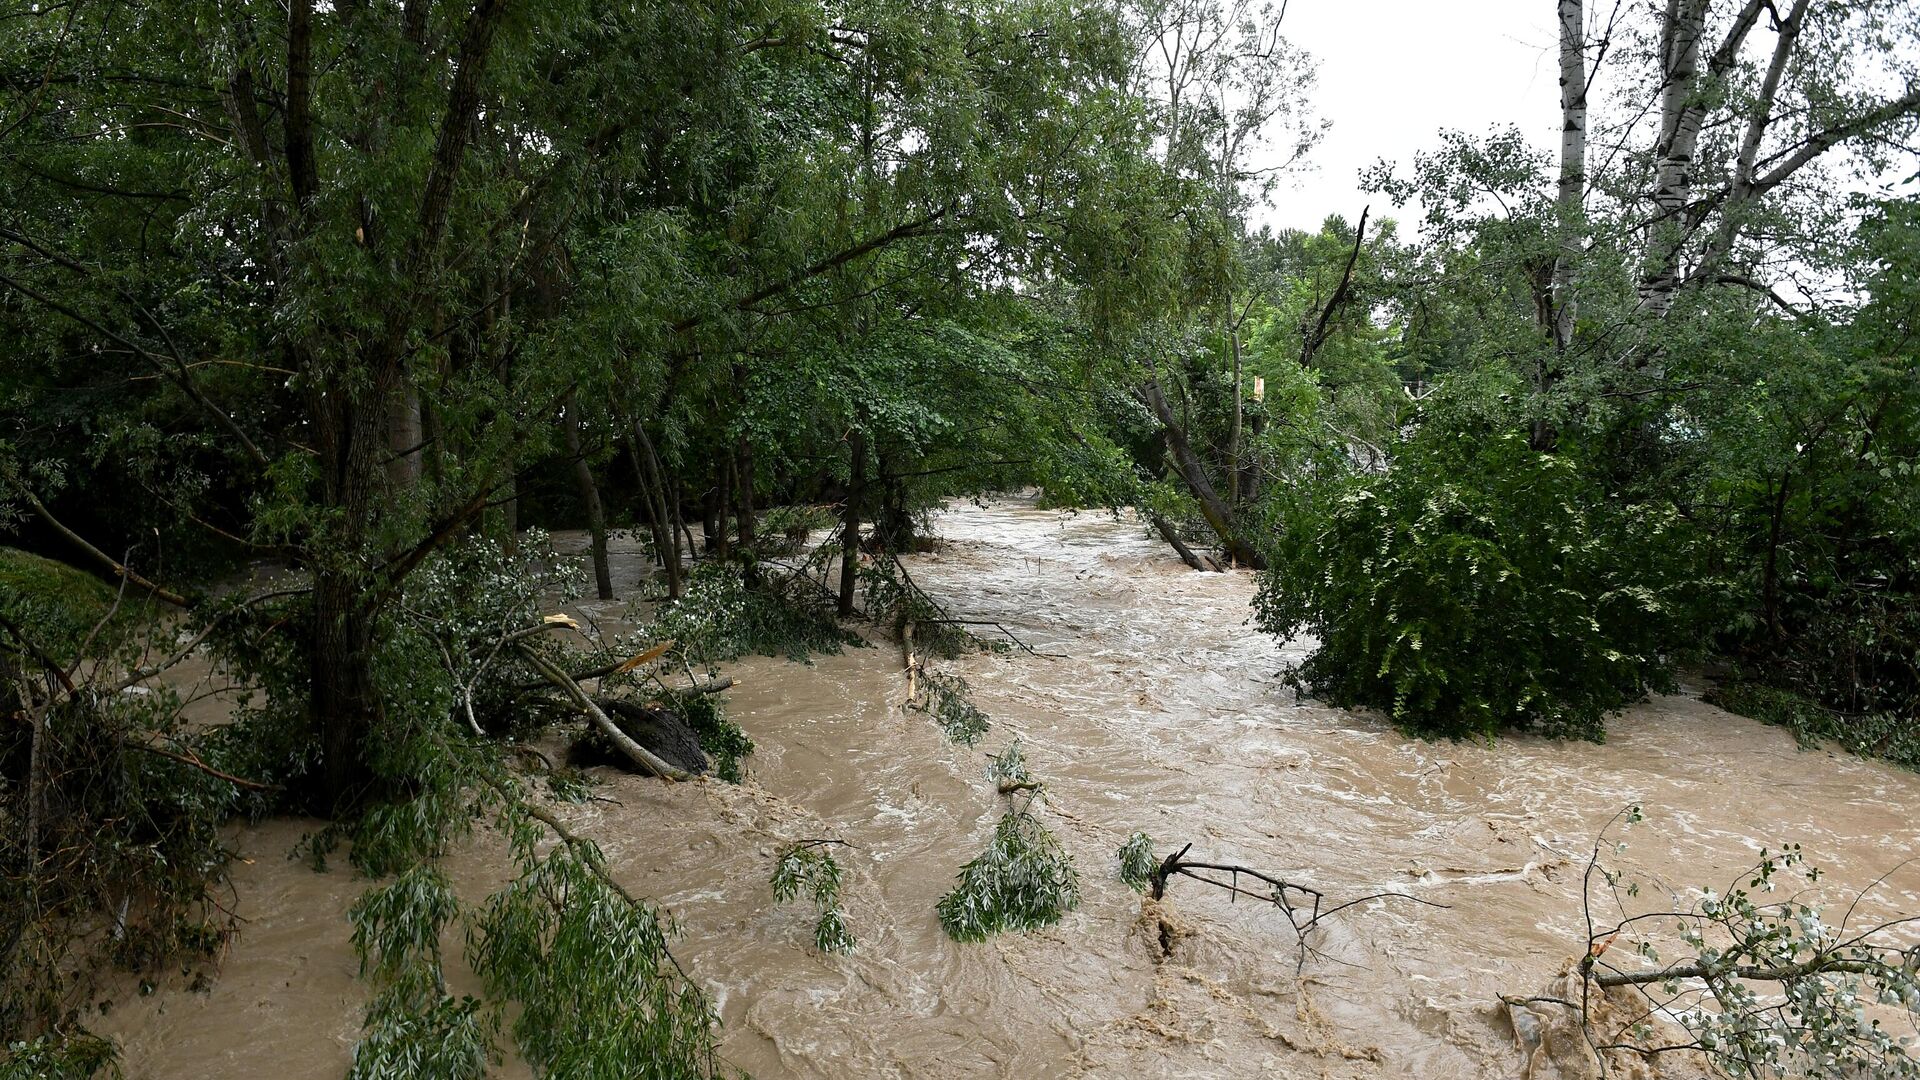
(1149, 706)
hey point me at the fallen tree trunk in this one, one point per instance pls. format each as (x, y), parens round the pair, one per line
(1218, 514)
(1187, 554)
(582, 702)
(661, 730)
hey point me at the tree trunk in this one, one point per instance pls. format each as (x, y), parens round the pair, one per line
(1573, 165)
(589, 499)
(743, 497)
(350, 433)
(433, 451)
(723, 538)
(1250, 468)
(1683, 108)
(1770, 575)
(1681, 114)
(892, 523)
(676, 503)
(510, 513)
(1558, 309)
(1218, 515)
(710, 517)
(405, 436)
(653, 492)
(1234, 493)
(1179, 546)
(344, 700)
(36, 794)
(850, 527)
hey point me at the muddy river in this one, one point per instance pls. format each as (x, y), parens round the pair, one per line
(1159, 709)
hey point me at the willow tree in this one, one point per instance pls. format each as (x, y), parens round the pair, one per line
(325, 279)
(1226, 110)
(379, 248)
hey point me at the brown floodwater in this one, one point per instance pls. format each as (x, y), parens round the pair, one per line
(1154, 707)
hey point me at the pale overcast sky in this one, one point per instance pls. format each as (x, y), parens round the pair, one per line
(1393, 73)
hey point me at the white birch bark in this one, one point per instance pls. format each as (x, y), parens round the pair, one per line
(1573, 164)
(1684, 97)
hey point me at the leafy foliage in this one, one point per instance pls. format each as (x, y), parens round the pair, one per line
(1024, 879)
(63, 606)
(1009, 766)
(582, 968)
(950, 702)
(810, 867)
(414, 1028)
(108, 799)
(69, 1057)
(724, 617)
(1884, 735)
(1137, 862)
(720, 737)
(599, 994)
(1480, 586)
(1765, 988)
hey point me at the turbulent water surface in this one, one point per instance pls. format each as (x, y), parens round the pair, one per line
(1153, 706)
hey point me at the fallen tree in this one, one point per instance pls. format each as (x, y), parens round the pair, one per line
(1759, 988)
(584, 702)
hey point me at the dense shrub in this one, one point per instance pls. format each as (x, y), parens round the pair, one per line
(1886, 735)
(1479, 586)
(725, 616)
(111, 813)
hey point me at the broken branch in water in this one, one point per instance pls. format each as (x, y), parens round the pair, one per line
(1759, 986)
(584, 703)
(1303, 905)
(1012, 638)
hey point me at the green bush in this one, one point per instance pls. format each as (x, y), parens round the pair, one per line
(1885, 735)
(1479, 586)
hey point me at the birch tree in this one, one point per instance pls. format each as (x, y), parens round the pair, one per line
(1751, 102)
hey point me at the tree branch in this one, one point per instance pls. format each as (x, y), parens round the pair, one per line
(920, 226)
(118, 568)
(1340, 295)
